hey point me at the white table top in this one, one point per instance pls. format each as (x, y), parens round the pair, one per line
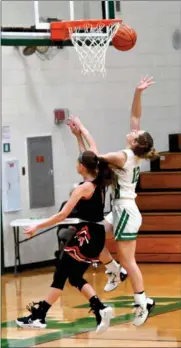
(30, 222)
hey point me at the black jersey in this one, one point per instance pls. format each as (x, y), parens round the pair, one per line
(89, 238)
(92, 209)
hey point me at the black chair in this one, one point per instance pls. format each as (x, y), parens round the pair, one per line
(65, 234)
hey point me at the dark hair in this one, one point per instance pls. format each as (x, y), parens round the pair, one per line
(144, 147)
(97, 167)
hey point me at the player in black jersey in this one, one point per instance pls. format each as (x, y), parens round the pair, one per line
(85, 245)
(116, 273)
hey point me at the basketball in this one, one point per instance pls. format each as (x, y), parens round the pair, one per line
(125, 38)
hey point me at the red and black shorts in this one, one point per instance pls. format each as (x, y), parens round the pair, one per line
(87, 243)
(86, 246)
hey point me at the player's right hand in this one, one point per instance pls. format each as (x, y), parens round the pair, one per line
(145, 82)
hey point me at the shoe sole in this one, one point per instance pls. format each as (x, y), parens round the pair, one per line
(106, 316)
(150, 309)
(30, 326)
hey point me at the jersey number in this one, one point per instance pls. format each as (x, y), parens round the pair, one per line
(136, 173)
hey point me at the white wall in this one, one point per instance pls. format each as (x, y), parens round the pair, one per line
(33, 88)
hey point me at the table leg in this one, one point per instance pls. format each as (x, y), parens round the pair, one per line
(17, 251)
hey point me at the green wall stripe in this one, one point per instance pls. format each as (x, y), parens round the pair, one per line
(33, 42)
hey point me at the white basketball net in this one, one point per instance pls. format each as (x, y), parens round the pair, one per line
(92, 47)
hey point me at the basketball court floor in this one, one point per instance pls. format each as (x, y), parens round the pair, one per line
(71, 325)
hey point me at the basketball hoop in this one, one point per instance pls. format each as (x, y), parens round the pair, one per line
(89, 40)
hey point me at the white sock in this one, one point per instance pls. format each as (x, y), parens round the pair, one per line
(140, 299)
(123, 270)
(113, 267)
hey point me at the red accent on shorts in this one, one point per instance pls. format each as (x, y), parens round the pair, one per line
(77, 254)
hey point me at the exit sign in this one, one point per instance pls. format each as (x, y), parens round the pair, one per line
(6, 147)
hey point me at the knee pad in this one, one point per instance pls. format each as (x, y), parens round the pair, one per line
(77, 282)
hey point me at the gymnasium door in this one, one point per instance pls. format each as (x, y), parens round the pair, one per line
(40, 166)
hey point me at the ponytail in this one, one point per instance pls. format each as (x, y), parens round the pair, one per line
(152, 155)
(106, 175)
(144, 147)
(99, 168)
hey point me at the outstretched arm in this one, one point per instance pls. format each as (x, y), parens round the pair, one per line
(81, 144)
(84, 190)
(78, 135)
(86, 135)
(116, 159)
(136, 105)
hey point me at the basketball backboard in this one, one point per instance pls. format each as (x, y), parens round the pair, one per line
(43, 26)
(71, 10)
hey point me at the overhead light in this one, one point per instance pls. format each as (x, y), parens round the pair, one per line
(42, 49)
(29, 50)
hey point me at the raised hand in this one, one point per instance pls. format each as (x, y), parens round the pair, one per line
(77, 123)
(145, 83)
(76, 131)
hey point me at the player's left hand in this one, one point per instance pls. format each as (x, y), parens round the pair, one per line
(76, 131)
(146, 82)
(30, 231)
(77, 122)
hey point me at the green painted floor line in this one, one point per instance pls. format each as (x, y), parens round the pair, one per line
(122, 302)
(79, 326)
(158, 299)
(11, 323)
(118, 304)
(127, 301)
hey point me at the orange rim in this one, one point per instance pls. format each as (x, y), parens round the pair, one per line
(60, 30)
